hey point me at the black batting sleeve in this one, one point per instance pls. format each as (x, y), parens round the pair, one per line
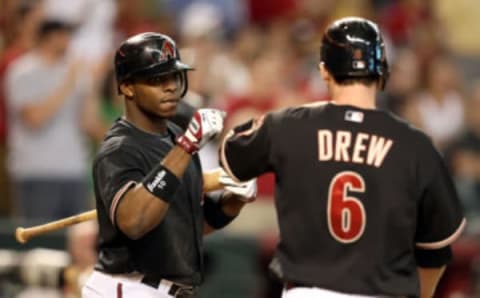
(440, 218)
(245, 151)
(433, 258)
(115, 173)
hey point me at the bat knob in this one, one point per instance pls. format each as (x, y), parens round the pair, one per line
(20, 235)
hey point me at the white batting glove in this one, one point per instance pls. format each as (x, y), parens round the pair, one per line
(205, 125)
(247, 191)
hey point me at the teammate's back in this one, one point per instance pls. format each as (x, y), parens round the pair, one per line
(365, 204)
(351, 183)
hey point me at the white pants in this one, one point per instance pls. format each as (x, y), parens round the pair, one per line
(300, 292)
(101, 285)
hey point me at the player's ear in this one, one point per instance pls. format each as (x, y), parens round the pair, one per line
(127, 89)
(324, 74)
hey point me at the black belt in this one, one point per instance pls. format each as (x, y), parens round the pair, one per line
(176, 290)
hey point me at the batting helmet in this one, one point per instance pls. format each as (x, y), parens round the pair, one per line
(353, 47)
(147, 55)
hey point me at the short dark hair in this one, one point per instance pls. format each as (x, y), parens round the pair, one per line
(367, 80)
(49, 26)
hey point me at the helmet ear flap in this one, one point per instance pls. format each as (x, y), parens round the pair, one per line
(183, 83)
(384, 76)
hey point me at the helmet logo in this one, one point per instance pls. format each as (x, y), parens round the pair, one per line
(357, 54)
(168, 51)
(358, 62)
(165, 53)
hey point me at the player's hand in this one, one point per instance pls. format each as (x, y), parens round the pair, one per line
(205, 125)
(245, 191)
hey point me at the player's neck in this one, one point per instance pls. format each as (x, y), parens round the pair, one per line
(153, 125)
(355, 95)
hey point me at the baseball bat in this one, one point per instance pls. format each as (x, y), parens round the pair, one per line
(210, 183)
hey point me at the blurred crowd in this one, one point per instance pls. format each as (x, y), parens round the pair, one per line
(58, 93)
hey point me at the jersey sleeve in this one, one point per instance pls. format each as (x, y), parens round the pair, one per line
(114, 174)
(245, 151)
(440, 215)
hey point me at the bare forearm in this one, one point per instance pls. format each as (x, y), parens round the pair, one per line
(177, 161)
(429, 278)
(140, 211)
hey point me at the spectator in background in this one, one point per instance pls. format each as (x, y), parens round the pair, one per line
(401, 18)
(264, 94)
(403, 82)
(440, 100)
(464, 159)
(459, 21)
(234, 12)
(81, 244)
(201, 29)
(266, 11)
(344, 8)
(50, 109)
(111, 105)
(427, 43)
(230, 71)
(93, 39)
(135, 17)
(201, 33)
(27, 17)
(7, 20)
(463, 156)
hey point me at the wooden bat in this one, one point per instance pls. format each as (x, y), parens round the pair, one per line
(210, 183)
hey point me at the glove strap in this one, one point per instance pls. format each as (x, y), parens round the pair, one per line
(187, 145)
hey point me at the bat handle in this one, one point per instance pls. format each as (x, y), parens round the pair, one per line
(24, 234)
(21, 236)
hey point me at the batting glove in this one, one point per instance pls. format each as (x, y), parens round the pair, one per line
(246, 191)
(205, 125)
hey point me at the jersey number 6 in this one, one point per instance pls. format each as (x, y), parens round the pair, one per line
(345, 214)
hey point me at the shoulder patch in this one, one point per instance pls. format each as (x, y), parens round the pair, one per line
(354, 116)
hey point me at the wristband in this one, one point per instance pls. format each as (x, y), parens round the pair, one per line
(214, 215)
(161, 183)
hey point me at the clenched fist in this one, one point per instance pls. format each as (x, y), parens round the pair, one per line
(205, 125)
(246, 191)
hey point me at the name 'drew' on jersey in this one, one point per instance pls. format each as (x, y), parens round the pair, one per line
(362, 148)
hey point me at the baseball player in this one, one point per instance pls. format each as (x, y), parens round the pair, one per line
(366, 207)
(148, 181)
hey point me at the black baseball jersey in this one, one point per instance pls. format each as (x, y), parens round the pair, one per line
(173, 249)
(356, 192)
